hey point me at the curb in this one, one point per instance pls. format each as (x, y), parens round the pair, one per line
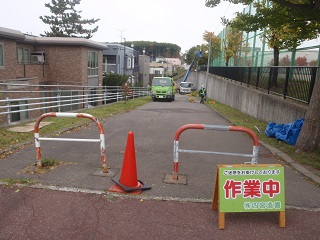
(128, 196)
(292, 163)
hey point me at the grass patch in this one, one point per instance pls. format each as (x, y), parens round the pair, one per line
(49, 162)
(241, 119)
(11, 182)
(10, 138)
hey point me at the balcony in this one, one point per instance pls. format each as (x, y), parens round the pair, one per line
(107, 67)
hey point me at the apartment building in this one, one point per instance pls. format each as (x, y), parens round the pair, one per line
(50, 59)
(30, 60)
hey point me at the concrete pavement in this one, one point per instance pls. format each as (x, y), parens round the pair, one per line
(179, 211)
(45, 214)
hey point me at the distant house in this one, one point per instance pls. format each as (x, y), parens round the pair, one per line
(160, 69)
(144, 69)
(173, 61)
(119, 59)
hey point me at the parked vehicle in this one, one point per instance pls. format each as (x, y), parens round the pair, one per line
(186, 87)
(162, 88)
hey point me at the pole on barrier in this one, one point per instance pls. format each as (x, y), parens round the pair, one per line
(176, 146)
(78, 115)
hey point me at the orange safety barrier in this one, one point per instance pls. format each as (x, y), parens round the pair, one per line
(176, 149)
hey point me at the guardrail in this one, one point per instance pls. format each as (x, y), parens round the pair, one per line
(37, 137)
(176, 150)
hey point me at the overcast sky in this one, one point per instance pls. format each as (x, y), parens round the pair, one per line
(180, 22)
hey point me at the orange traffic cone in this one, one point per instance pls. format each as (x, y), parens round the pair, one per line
(128, 181)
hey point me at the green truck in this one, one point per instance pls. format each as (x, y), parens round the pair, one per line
(162, 88)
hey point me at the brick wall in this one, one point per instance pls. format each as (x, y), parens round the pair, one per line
(64, 64)
(10, 59)
(68, 64)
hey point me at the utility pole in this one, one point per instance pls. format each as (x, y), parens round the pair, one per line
(119, 60)
(124, 50)
(124, 57)
(123, 30)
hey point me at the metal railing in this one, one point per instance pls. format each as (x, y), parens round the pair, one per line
(21, 100)
(110, 68)
(290, 82)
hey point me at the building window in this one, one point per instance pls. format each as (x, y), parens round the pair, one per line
(26, 55)
(92, 63)
(23, 55)
(1, 56)
(128, 63)
(19, 110)
(19, 55)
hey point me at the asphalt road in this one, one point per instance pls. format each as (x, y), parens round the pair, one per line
(167, 210)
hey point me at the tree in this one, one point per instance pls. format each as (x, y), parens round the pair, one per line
(281, 29)
(309, 137)
(270, 63)
(202, 61)
(215, 42)
(113, 79)
(215, 49)
(301, 61)
(66, 21)
(309, 9)
(155, 49)
(233, 44)
(192, 53)
(285, 61)
(313, 63)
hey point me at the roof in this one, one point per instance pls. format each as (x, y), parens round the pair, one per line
(72, 41)
(11, 33)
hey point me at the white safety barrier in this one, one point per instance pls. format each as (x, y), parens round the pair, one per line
(37, 138)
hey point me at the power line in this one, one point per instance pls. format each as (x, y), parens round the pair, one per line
(223, 15)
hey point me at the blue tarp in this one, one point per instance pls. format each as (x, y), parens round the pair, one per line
(287, 133)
